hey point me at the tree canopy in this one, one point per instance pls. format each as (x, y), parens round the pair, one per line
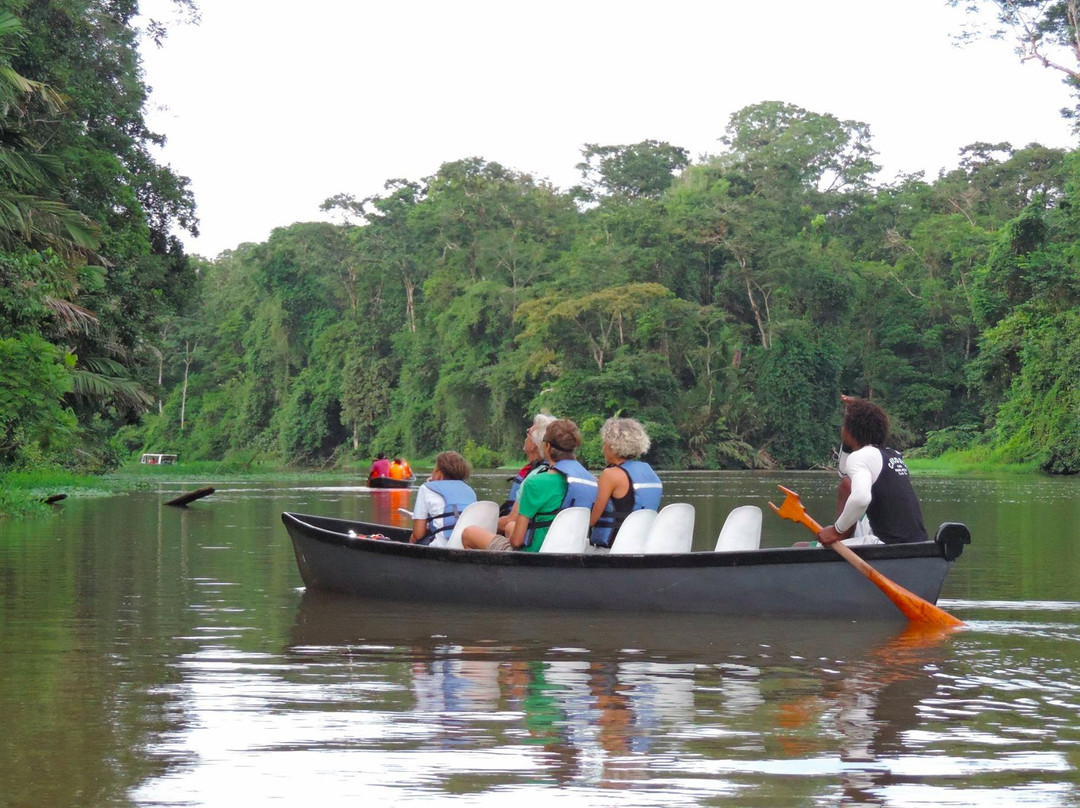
(726, 301)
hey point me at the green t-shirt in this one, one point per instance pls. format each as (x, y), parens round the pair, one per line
(542, 491)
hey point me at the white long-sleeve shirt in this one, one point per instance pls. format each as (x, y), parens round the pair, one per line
(863, 467)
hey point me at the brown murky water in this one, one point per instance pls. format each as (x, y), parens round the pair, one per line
(152, 656)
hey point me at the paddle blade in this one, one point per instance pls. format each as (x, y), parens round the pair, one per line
(793, 509)
(914, 608)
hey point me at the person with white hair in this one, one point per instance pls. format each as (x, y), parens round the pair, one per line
(534, 439)
(627, 484)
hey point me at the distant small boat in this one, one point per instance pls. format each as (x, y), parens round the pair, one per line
(389, 482)
(157, 459)
(335, 555)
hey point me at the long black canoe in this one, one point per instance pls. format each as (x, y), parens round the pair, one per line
(784, 582)
(389, 482)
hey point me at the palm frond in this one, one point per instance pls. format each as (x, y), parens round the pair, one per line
(72, 316)
(103, 365)
(50, 223)
(97, 387)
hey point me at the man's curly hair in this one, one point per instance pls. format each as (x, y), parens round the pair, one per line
(867, 423)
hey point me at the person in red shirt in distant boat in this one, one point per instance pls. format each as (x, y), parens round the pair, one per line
(380, 468)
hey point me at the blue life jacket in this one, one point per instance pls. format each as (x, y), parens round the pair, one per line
(645, 492)
(515, 486)
(457, 495)
(581, 490)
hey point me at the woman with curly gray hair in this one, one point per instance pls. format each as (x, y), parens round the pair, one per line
(627, 484)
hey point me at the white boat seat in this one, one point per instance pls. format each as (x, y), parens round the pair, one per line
(482, 513)
(630, 540)
(741, 530)
(672, 531)
(569, 532)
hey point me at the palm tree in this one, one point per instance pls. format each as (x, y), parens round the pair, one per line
(29, 212)
(31, 216)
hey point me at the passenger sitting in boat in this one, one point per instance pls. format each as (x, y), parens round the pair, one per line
(627, 484)
(544, 493)
(534, 438)
(874, 481)
(442, 498)
(380, 467)
(397, 469)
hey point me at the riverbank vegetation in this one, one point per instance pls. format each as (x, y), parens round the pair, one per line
(725, 300)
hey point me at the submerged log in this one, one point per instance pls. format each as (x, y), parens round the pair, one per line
(191, 496)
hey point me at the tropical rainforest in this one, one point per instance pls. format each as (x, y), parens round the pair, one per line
(725, 300)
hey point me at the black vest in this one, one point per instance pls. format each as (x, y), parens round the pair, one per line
(894, 512)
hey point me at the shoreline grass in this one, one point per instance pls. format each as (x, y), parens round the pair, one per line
(969, 461)
(23, 493)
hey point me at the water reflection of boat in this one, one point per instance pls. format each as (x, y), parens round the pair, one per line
(327, 619)
(598, 691)
(780, 581)
(385, 507)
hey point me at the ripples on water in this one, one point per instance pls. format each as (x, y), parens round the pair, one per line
(160, 658)
(395, 703)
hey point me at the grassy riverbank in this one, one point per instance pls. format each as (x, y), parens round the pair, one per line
(968, 461)
(24, 492)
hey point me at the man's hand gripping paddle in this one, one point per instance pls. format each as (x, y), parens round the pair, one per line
(915, 609)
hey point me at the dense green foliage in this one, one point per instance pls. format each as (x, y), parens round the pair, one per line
(725, 301)
(90, 269)
(726, 307)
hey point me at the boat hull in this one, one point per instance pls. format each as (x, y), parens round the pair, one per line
(389, 482)
(782, 582)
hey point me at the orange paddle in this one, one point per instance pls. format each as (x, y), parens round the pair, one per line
(914, 608)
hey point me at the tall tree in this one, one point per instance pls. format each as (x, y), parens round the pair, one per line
(639, 171)
(1046, 32)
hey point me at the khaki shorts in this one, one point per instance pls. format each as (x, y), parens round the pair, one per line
(499, 543)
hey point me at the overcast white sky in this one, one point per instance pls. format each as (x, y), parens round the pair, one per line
(271, 107)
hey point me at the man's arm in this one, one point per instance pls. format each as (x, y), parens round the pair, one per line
(420, 516)
(863, 466)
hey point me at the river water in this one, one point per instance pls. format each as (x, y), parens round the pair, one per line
(154, 656)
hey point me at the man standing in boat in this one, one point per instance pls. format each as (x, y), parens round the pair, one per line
(874, 481)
